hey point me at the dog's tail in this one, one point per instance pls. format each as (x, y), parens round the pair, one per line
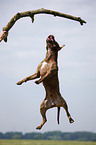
(58, 114)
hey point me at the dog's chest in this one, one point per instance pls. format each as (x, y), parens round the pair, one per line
(44, 68)
(44, 65)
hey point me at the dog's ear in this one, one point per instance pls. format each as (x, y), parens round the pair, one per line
(59, 48)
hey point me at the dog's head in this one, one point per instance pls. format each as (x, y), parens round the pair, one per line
(52, 43)
(50, 39)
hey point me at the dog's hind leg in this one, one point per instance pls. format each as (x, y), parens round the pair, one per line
(67, 112)
(43, 113)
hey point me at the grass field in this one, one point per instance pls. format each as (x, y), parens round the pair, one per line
(43, 142)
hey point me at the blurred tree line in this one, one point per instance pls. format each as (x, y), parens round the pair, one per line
(54, 135)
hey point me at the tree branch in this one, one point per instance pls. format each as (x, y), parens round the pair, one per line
(31, 14)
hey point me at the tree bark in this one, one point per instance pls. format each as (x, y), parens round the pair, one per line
(31, 14)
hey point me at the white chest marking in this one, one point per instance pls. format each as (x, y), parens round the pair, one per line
(43, 64)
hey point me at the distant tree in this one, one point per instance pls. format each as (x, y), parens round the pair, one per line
(38, 136)
(8, 135)
(17, 135)
(54, 135)
(29, 135)
(1, 135)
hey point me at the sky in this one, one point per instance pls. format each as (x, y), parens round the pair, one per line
(26, 48)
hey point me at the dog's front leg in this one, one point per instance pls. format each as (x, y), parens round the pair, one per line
(46, 76)
(34, 76)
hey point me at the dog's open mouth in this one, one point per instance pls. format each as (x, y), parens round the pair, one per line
(50, 38)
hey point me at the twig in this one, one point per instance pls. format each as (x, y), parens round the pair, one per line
(31, 14)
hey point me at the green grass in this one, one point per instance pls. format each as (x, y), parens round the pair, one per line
(43, 142)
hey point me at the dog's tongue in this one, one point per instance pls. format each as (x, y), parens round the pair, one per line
(51, 38)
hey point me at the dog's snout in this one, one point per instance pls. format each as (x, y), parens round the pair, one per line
(50, 38)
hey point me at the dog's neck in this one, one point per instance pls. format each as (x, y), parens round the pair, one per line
(51, 55)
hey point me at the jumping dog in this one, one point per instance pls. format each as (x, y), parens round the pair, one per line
(47, 71)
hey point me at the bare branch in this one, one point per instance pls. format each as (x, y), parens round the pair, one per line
(31, 15)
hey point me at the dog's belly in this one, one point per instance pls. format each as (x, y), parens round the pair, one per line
(53, 101)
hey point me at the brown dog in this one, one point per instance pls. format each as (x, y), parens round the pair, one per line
(47, 70)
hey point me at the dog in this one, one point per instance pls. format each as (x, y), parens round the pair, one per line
(47, 71)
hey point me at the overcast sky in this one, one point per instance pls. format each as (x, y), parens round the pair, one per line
(26, 48)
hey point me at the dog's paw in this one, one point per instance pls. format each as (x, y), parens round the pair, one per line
(37, 82)
(19, 83)
(38, 127)
(71, 120)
